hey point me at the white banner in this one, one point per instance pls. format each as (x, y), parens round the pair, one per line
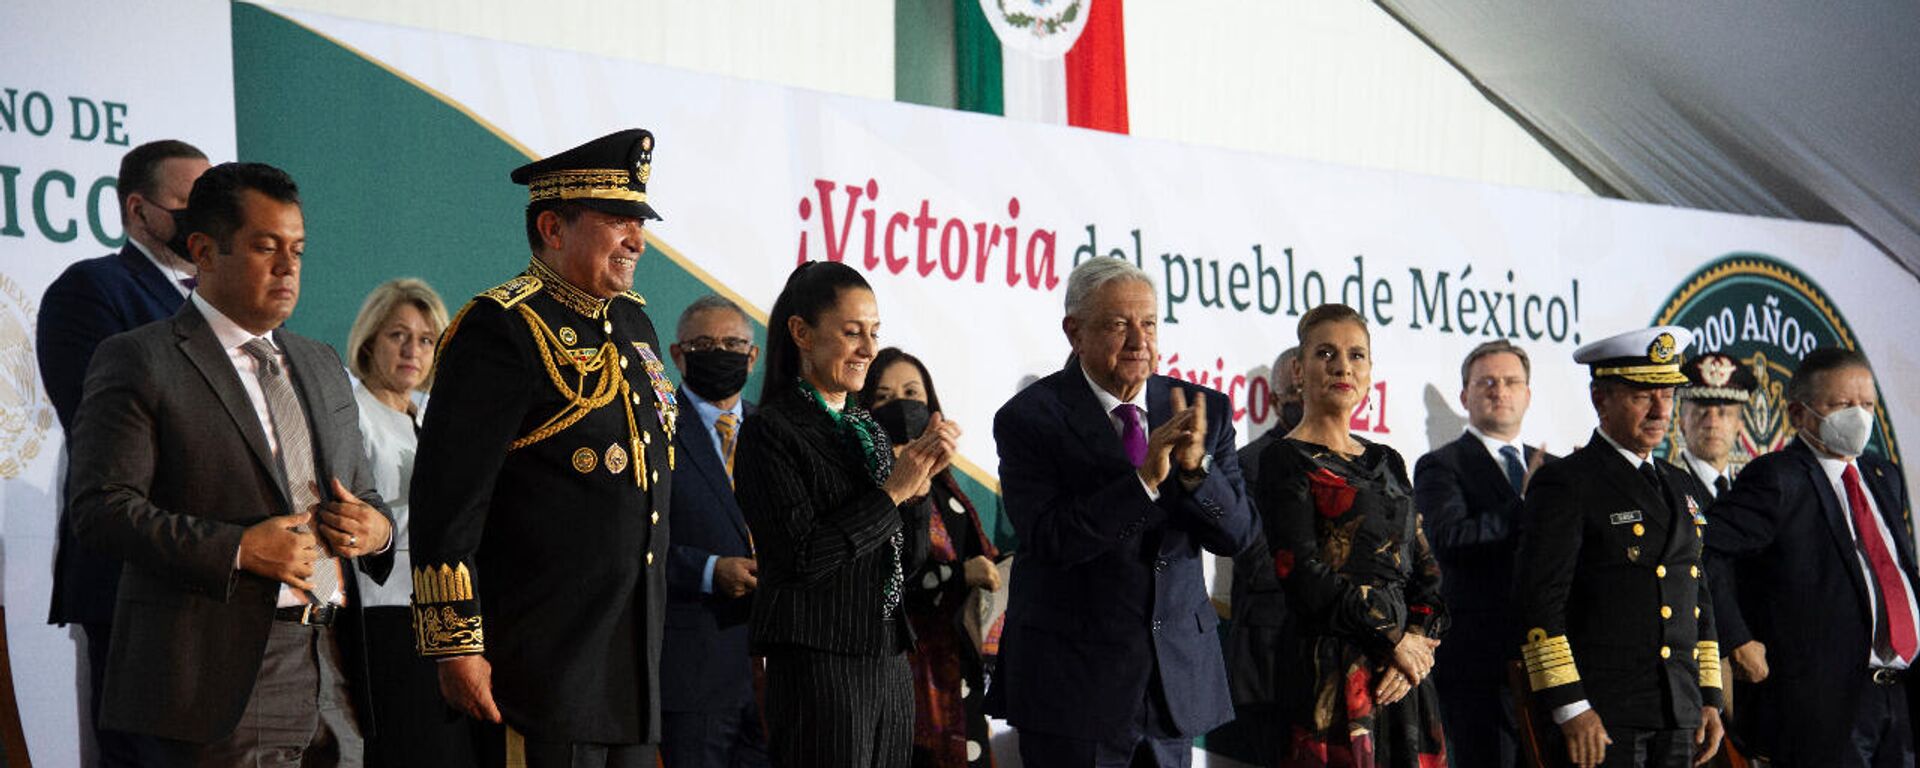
(82, 83)
(968, 225)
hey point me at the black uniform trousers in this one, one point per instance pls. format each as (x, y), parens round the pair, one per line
(831, 710)
(415, 727)
(499, 746)
(1631, 748)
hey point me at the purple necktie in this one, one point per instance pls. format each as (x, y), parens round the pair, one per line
(1133, 432)
(190, 283)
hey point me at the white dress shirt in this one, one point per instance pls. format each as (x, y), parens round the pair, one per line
(1705, 472)
(232, 338)
(1494, 445)
(1834, 468)
(390, 441)
(1110, 401)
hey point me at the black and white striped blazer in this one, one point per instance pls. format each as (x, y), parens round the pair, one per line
(821, 527)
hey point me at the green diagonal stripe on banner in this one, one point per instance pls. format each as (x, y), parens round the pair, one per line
(398, 181)
(394, 180)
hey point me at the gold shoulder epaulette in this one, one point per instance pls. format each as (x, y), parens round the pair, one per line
(634, 297)
(513, 291)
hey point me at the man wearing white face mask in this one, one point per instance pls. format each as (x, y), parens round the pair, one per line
(1811, 562)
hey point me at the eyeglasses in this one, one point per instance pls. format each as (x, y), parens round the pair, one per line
(708, 343)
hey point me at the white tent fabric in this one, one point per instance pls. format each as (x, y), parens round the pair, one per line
(1776, 108)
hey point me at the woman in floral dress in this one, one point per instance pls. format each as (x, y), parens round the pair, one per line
(1358, 572)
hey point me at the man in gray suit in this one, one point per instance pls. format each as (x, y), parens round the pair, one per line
(220, 456)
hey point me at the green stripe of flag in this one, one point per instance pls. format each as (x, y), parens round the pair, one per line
(946, 55)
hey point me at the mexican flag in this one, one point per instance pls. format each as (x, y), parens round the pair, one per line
(1050, 61)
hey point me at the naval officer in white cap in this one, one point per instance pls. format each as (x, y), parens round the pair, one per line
(1619, 644)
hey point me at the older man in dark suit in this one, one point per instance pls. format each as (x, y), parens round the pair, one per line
(709, 717)
(93, 299)
(206, 452)
(1469, 494)
(1115, 480)
(1811, 558)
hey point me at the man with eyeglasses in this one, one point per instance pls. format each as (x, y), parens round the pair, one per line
(709, 716)
(1469, 495)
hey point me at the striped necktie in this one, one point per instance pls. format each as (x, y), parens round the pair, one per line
(725, 425)
(296, 455)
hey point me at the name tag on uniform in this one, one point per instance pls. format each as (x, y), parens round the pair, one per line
(1622, 518)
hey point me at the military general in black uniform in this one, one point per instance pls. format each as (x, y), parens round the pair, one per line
(1619, 644)
(540, 490)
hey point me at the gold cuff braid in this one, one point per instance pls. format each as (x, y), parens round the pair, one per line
(1549, 660)
(439, 629)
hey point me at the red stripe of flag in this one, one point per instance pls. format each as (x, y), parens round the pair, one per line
(1097, 71)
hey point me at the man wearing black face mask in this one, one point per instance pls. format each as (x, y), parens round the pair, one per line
(709, 717)
(1812, 551)
(146, 281)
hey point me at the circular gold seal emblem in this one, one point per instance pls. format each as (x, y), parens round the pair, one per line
(584, 460)
(25, 414)
(1765, 315)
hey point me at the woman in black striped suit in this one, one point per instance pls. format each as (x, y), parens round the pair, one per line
(837, 522)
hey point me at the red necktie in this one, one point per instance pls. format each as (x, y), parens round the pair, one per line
(1894, 615)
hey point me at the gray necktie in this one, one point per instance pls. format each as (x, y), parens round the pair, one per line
(296, 455)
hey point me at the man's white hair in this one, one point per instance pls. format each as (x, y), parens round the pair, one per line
(1086, 279)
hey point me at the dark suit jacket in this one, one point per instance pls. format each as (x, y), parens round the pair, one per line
(169, 467)
(703, 660)
(823, 528)
(1108, 583)
(1615, 570)
(1262, 629)
(1472, 519)
(1784, 570)
(91, 300)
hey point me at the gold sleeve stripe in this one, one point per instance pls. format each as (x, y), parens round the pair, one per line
(1708, 654)
(1549, 661)
(442, 585)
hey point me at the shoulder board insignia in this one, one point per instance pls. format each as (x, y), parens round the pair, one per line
(634, 297)
(513, 291)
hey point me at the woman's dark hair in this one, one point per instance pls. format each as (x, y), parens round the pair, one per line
(878, 368)
(813, 288)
